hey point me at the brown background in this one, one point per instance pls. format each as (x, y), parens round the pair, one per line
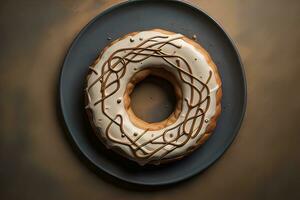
(36, 160)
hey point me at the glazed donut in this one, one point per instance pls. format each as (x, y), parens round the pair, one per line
(130, 59)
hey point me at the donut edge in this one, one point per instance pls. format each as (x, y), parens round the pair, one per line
(212, 123)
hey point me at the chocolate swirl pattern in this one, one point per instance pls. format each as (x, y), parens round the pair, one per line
(107, 82)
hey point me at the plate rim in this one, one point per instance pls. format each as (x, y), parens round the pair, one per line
(152, 183)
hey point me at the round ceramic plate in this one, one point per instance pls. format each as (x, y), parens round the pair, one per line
(133, 16)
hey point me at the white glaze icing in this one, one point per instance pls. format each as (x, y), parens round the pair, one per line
(159, 144)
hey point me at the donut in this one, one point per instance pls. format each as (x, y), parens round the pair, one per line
(129, 60)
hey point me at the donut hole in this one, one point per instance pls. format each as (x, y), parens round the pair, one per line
(153, 98)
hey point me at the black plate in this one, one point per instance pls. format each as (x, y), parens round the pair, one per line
(143, 15)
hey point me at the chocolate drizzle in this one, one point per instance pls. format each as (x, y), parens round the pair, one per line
(174, 136)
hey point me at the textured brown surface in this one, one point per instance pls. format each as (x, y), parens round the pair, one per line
(36, 161)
